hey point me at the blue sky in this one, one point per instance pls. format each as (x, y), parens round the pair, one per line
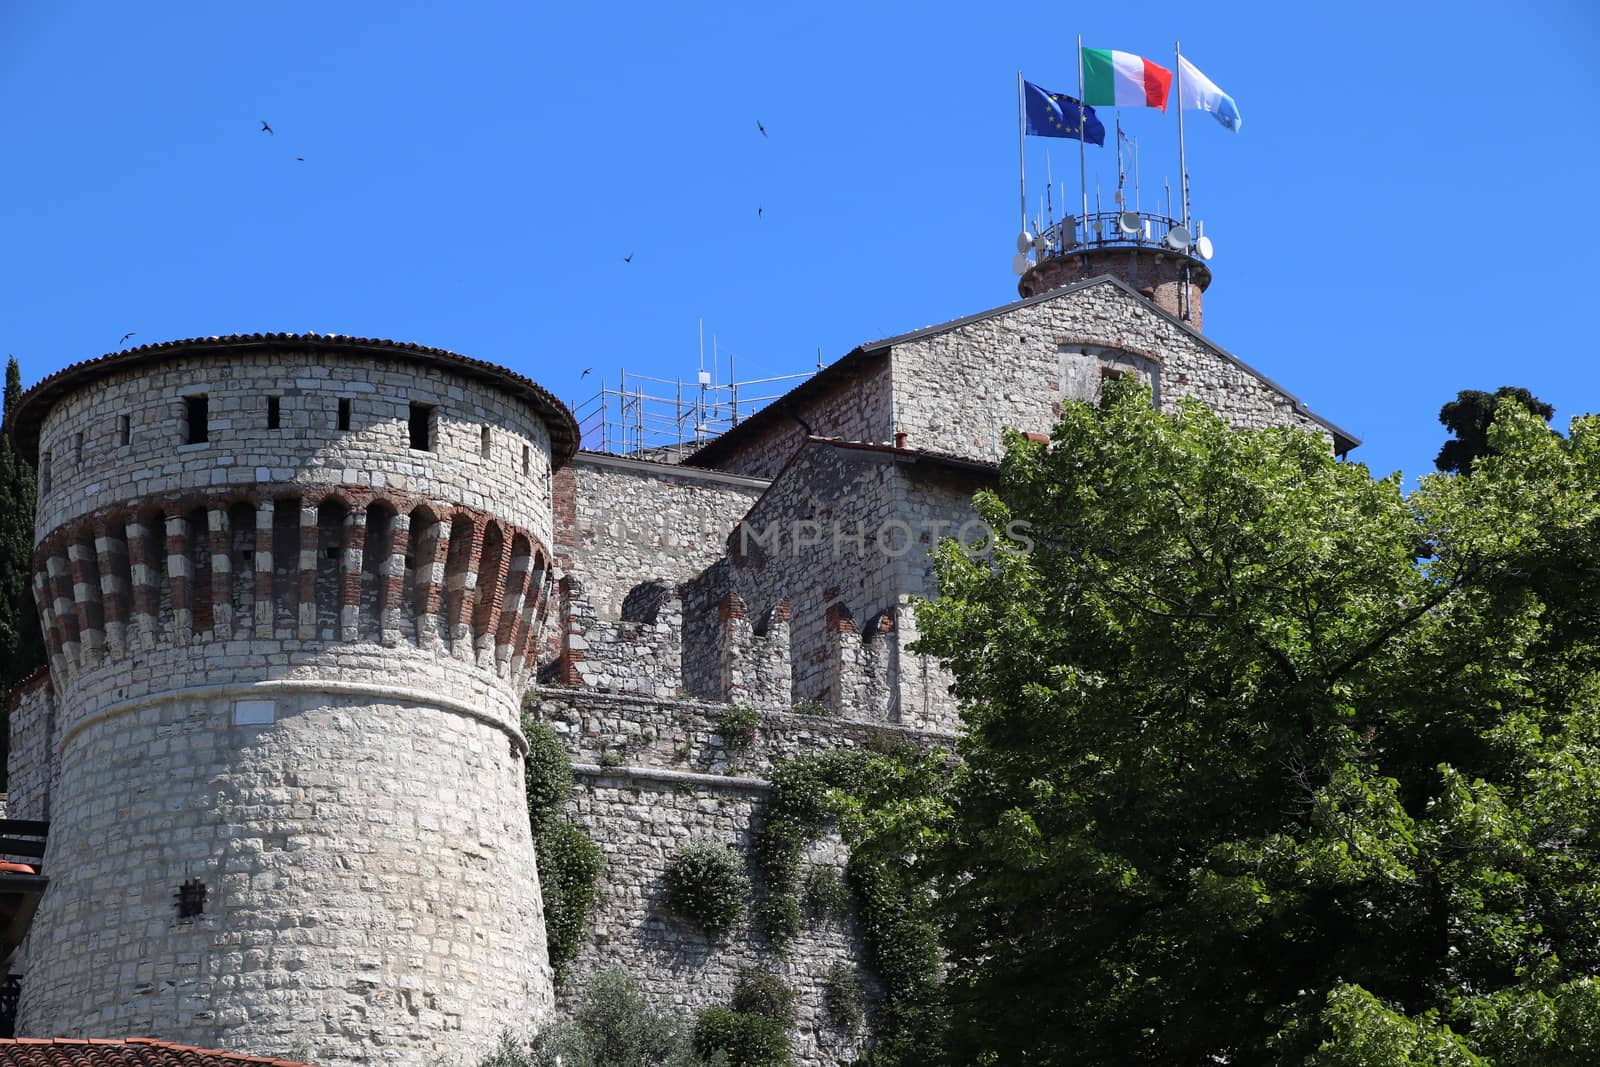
(1406, 212)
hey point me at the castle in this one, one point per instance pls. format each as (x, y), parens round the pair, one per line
(296, 589)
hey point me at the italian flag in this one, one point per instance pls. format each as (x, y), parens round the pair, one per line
(1122, 79)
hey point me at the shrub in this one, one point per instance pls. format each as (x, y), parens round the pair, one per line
(737, 726)
(827, 895)
(760, 992)
(706, 883)
(546, 773)
(747, 1040)
(841, 998)
(613, 1026)
(813, 707)
(778, 916)
(569, 867)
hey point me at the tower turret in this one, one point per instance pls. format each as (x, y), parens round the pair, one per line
(290, 587)
(1153, 253)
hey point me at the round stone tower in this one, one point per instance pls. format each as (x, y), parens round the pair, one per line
(290, 587)
(1152, 253)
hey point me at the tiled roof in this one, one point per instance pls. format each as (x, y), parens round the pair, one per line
(121, 1052)
(37, 402)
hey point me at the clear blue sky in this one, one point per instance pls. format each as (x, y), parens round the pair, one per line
(1407, 212)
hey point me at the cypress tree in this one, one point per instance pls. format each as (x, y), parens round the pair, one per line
(21, 643)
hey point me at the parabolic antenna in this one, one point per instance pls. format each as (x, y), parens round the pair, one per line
(1178, 239)
(1024, 241)
(1019, 263)
(1040, 243)
(1128, 222)
(1202, 245)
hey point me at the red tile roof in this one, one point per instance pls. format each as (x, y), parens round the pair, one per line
(121, 1052)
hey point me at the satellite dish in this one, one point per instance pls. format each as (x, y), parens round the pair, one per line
(1024, 241)
(1178, 239)
(1202, 245)
(1040, 243)
(1019, 263)
(1128, 222)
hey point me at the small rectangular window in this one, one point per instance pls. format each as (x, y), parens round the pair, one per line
(274, 413)
(196, 411)
(527, 464)
(483, 443)
(344, 413)
(124, 429)
(422, 427)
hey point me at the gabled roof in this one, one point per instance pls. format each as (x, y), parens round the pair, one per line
(122, 1052)
(834, 373)
(37, 402)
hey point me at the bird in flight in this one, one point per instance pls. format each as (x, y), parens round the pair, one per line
(585, 373)
(760, 127)
(265, 128)
(758, 213)
(300, 159)
(125, 338)
(628, 258)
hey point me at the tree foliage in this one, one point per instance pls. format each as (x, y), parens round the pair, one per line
(1469, 417)
(21, 643)
(1267, 762)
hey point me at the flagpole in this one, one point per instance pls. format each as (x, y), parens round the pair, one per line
(1083, 164)
(1022, 174)
(1183, 169)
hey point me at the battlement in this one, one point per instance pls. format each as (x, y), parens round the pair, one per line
(291, 564)
(747, 660)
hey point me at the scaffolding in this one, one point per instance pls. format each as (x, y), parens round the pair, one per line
(666, 419)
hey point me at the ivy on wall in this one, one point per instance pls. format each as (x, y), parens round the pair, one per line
(569, 861)
(880, 802)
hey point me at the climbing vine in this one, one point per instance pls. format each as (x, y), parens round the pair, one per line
(887, 804)
(706, 883)
(569, 861)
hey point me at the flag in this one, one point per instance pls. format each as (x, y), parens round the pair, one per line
(1057, 114)
(1122, 79)
(1200, 93)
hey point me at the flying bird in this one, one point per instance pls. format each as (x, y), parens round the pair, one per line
(301, 159)
(760, 127)
(758, 213)
(265, 128)
(628, 258)
(585, 373)
(125, 338)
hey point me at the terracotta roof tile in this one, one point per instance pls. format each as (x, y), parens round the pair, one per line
(122, 1052)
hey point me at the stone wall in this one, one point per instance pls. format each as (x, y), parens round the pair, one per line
(90, 468)
(654, 775)
(624, 522)
(32, 766)
(956, 390)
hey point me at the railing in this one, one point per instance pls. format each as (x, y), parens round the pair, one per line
(664, 418)
(1108, 229)
(24, 837)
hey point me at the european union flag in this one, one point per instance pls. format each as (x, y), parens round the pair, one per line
(1057, 115)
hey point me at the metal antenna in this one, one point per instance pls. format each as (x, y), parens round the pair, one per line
(1050, 208)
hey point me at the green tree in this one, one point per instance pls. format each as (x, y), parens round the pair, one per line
(1266, 762)
(1469, 417)
(21, 642)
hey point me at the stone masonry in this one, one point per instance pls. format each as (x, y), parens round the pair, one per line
(289, 659)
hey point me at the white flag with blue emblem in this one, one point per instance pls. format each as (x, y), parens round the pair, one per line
(1200, 93)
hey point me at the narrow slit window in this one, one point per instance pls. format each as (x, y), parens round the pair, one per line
(44, 473)
(483, 443)
(344, 413)
(197, 413)
(422, 427)
(77, 448)
(527, 460)
(124, 429)
(274, 413)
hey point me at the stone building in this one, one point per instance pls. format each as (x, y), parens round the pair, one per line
(287, 654)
